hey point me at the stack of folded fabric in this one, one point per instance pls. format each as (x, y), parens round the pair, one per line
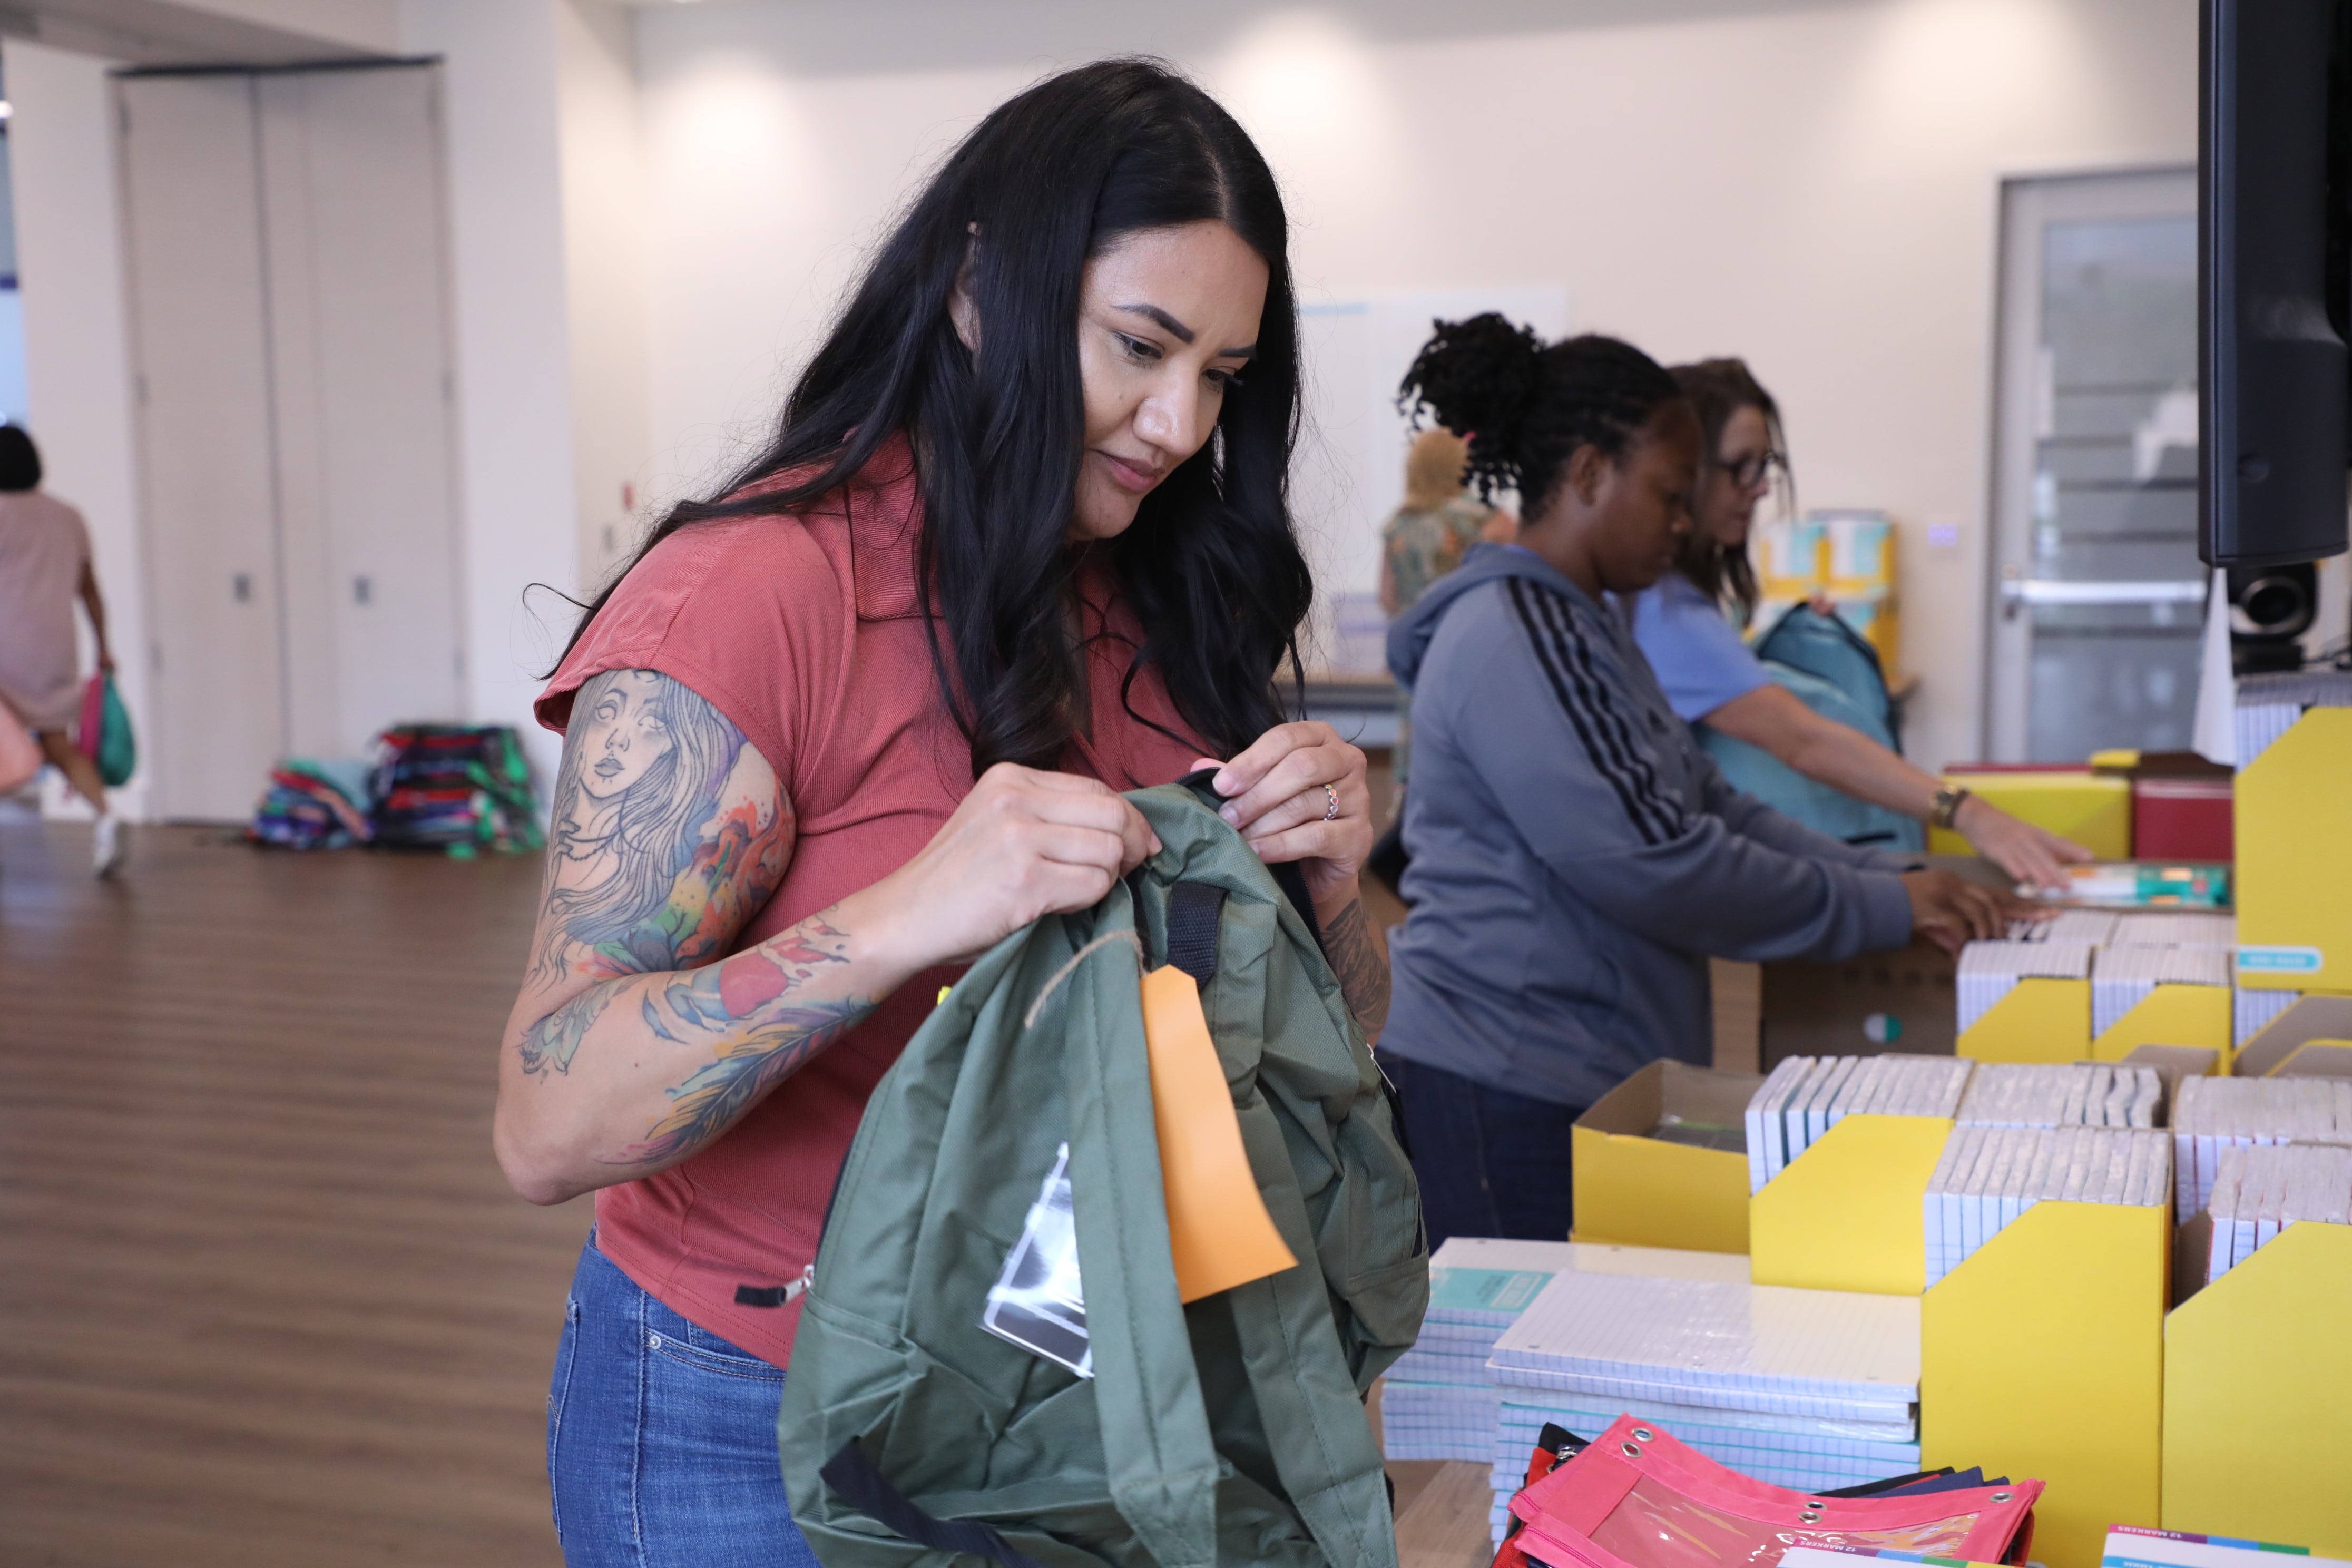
(453, 787)
(314, 805)
(1437, 1402)
(1813, 1390)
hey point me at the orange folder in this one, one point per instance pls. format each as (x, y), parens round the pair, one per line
(1218, 1229)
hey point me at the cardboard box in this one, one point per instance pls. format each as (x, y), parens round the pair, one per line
(1635, 1189)
(2257, 1420)
(2095, 810)
(2182, 819)
(1899, 1001)
(2043, 1355)
(2311, 1019)
(2173, 1063)
(2040, 1020)
(2170, 1015)
(1849, 1213)
(2294, 835)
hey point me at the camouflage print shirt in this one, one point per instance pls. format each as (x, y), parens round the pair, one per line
(1422, 546)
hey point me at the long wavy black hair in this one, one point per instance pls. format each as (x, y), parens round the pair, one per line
(1211, 565)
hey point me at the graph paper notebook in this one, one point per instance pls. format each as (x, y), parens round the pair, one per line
(1719, 1344)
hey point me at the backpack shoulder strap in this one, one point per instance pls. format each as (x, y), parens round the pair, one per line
(1286, 876)
(1195, 911)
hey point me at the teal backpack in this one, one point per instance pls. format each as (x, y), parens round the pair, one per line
(1229, 1431)
(1833, 671)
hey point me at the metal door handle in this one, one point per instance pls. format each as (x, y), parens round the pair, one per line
(2017, 591)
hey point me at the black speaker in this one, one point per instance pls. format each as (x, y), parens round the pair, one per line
(2274, 231)
(2270, 608)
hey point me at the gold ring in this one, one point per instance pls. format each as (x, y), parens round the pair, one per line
(1331, 811)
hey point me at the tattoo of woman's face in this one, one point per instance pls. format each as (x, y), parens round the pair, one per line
(644, 767)
(628, 733)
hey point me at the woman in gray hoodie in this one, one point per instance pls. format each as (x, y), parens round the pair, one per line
(1575, 857)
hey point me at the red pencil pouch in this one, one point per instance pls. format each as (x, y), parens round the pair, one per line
(1637, 1499)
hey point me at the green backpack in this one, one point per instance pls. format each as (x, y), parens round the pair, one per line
(1229, 1431)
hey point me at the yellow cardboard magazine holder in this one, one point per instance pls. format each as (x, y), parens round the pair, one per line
(2042, 1020)
(2043, 1355)
(2258, 1398)
(2095, 810)
(1848, 1214)
(2307, 1021)
(2293, 825)
(1642, 1178)
(2171, 1015)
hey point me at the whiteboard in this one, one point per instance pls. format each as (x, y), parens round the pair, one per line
(1348, 474)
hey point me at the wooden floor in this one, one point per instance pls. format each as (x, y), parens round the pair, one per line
(264, 1298)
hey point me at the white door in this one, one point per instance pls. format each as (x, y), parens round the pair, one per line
(2097, 600)
(287, 259)
(351, 190)
(206, 461)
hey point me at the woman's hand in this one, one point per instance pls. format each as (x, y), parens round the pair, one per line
(1950, 911)
(1023, 844)
(1298, 794)
(2026, 852)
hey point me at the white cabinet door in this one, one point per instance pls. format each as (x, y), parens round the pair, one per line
(351, 189)
(208, 472)
(290, 309)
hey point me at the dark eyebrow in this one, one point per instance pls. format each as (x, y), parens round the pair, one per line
(1184, 333)
(1168, 322)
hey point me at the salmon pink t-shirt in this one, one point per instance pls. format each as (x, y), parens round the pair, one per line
(804, 630)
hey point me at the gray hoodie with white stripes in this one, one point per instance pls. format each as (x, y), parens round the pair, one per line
(1576, 856)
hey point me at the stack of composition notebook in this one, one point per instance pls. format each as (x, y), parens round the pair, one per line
(2183, 927)
(2069, 1094)
(2124, 978)
(1804, 1097)
(1438, 1402)
(1988, 971)
(1989, 1175)
(2211, 1114)
(2131, 1547)
(2259, 1191)
(1806, 1389)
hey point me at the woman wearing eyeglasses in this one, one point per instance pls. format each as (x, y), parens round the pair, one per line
(1712, 679)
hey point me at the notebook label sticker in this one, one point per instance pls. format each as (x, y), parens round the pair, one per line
(2267, 959)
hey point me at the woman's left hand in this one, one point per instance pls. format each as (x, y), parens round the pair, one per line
(1298, 794)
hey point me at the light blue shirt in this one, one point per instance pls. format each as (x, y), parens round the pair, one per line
(1699, 659)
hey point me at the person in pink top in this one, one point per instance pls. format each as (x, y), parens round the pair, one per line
(44, 568)
(1021, 542)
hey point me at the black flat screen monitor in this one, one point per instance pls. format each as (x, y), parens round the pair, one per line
(2273, 239)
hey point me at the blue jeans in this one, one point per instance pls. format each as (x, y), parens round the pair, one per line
(661, 1438)
(1490, 1163)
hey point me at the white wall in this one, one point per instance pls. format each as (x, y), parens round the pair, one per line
(77, 351)
(604, 269)
(514, 364)
(1813, 186)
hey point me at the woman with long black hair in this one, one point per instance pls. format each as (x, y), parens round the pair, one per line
(1021, 542)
